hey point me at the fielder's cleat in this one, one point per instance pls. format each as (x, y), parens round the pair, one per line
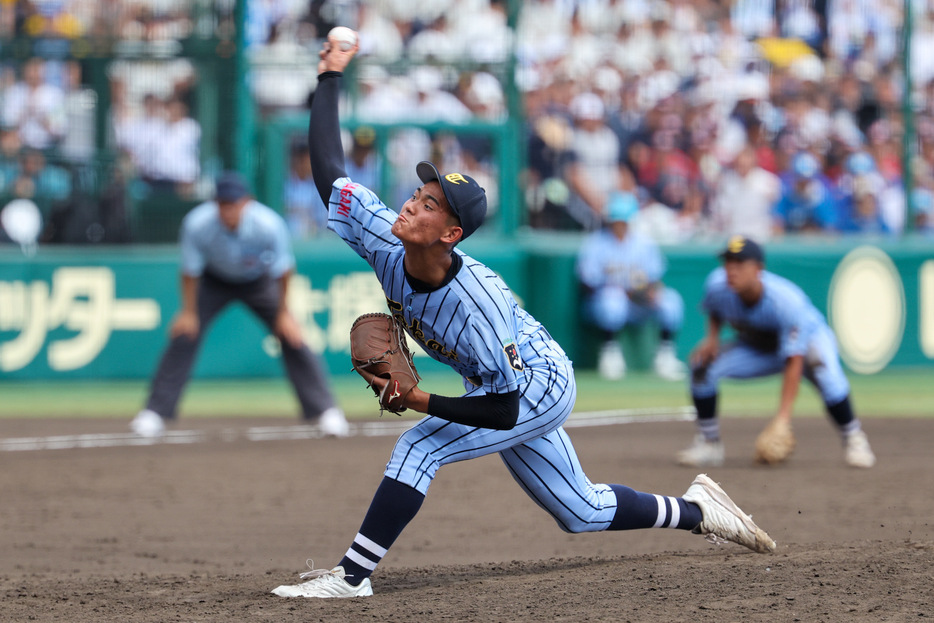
(325, 584)
(723, 518)
(702, 453)
(667, 365)
(858, 452)
(333, 423)
(611, 364)
(148, 423)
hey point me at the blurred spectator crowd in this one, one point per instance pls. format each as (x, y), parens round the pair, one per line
(754, 117)
(49, 113)
(750, 117)
(150, 20)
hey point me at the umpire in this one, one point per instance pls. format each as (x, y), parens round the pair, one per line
(235, 248)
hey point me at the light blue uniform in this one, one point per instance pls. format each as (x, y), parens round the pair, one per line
(782, 324)
(474, 325)
(611, 268)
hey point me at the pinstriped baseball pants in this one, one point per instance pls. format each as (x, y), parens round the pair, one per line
(537, 452)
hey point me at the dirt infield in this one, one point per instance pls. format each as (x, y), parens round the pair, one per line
(202, 531)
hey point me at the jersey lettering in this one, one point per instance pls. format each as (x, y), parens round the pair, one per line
(346, 195)
(415, 330)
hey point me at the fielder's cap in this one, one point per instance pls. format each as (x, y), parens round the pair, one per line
(740, 248)
(230, 186)
(465, 196)
(622, 206)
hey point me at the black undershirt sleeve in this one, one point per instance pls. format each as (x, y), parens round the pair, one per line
(496, 411)
(324, 134)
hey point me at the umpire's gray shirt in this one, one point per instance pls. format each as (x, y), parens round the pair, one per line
(259, 246)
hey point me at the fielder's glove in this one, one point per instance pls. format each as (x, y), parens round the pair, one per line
(775, 443)
(378, 349)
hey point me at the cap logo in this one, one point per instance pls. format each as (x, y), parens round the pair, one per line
(456, 178)
(736, 244)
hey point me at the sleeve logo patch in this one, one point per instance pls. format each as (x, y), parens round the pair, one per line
(512, 352)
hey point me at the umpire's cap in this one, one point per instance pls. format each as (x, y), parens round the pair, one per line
(740, 248)
(231, 186)
(465, 196)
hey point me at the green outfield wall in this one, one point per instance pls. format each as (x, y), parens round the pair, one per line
(78, 312)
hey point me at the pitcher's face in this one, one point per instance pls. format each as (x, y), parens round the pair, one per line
(426, 217)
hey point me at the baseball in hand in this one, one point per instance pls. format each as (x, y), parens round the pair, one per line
(343, 36)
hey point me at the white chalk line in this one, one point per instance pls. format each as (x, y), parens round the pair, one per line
(382, 428)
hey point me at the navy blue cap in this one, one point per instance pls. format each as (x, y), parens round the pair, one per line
(740, 248)
(231, 186)
(465, 196)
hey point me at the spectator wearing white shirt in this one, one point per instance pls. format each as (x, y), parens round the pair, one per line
(35, 107)
(743, 200)
(177, 157)
(139, 135)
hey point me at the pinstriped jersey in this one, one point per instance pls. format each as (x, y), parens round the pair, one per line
(472, 323)
(783, 320)
(632, 263)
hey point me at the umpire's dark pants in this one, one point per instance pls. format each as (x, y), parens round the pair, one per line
(307, 372)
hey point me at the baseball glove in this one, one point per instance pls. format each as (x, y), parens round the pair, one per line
(378, 349)
(775, 443)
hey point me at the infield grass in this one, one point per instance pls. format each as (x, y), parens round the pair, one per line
(905, 392)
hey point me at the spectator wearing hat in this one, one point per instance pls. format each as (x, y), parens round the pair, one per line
(621, 274)
(234, 248)
(807, 204)
(596, 167)
(304, 211)
(861, 190)
(362, 162)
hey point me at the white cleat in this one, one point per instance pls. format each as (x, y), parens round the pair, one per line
(858, 452)
(333, 423)
(611, 364)
(667, 365)
(702, 453)
(723, 518)
(148, 423)
(325, 584)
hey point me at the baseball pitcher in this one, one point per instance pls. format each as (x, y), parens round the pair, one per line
(518, 383)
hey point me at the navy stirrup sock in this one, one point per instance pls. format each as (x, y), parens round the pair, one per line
(394, 505)
(636, 510)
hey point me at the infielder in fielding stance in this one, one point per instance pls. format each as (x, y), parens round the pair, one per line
(778, 330)
(519, 384)
(236, 249)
